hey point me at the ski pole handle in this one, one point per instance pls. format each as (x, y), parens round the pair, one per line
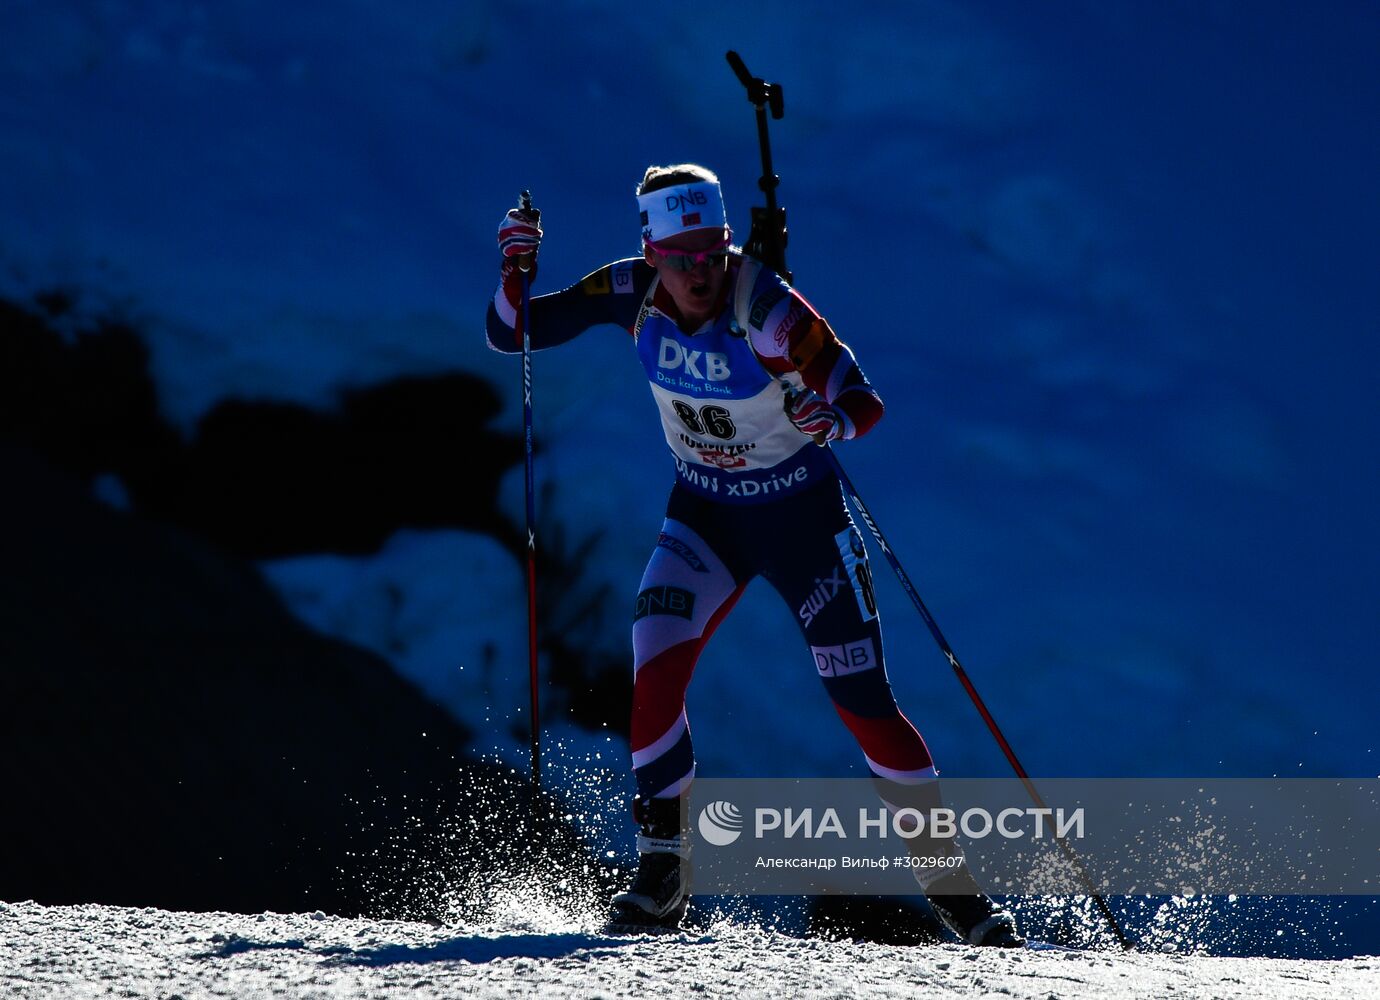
(525, 203)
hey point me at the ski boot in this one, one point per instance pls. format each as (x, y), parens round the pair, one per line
(953, 894)
(660, 893)
(962, 907)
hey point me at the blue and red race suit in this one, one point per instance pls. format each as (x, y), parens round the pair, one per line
(753, 496)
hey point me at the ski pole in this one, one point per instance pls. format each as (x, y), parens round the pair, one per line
(525, 265)
(976, 698)
(767, 242)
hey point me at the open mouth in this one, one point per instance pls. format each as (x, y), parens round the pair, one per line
(700, 290)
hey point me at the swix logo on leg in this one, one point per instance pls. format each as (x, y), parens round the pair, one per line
(825, 591)
(849, 658)
(701, 364)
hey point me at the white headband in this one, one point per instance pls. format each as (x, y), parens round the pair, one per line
(674, 210)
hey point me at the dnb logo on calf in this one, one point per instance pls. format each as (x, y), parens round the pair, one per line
(665, 601)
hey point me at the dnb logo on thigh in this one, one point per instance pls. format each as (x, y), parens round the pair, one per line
(665, 601)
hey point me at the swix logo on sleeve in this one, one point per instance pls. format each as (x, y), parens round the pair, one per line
(781, 336)
(708, 365)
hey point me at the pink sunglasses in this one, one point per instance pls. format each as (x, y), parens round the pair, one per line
(680, 260)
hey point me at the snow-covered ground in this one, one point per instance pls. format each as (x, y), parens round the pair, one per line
(79, 952)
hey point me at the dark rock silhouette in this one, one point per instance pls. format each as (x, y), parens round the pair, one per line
(173, 737)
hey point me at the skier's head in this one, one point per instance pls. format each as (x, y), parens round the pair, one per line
(685, 235)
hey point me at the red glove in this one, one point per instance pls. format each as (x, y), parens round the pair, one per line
(519, 235)
(813, 415)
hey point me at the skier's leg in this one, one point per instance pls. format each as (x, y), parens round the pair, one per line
(685, 592)
(826, 580)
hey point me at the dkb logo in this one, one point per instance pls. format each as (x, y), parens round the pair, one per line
(674, 356)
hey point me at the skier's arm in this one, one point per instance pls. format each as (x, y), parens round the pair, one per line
(612, 294)
(792, 336)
